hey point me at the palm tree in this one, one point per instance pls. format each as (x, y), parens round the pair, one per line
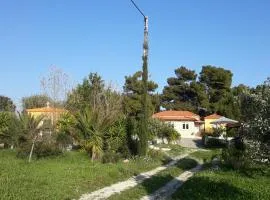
(30, 127)
(92, 125)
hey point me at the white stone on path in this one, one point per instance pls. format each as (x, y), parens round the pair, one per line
(132, 182)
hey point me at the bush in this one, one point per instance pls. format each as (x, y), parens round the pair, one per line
(41, 149)
(155, 153)
(45, 149)
(8, 129)
(212, 142)
(169, 133)
(116, 138)
(132, 127)
(219, 131)
(63, 140)
(23, 149)
(235, 154)
(232, 132)
(111, 157)
(158, 129)
(158, 155)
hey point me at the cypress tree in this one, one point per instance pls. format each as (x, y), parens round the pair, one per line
(143, 134)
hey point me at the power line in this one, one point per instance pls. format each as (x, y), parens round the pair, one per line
(137, 8)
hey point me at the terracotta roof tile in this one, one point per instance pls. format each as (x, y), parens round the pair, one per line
(176, 115)
(213, 116)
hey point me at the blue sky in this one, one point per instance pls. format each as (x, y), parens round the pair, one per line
(106, 36)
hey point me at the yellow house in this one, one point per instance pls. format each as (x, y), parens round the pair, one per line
(50, 113)
(208, 127)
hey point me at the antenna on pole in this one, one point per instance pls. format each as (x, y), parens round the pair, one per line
(137, 8)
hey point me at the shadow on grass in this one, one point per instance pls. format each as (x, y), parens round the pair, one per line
(152, 184)
(249, 172)
(204, 188)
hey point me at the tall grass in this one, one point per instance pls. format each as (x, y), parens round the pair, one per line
(64, 177)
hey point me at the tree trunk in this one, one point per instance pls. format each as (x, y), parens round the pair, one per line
(32, 149)
(93, 156)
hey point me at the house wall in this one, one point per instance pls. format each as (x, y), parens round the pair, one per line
(185, 133)
(208, 126)
(53, 116)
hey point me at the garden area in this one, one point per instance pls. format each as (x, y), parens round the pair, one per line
(222, 181)
(63, 177)
(227, 183)
(97, 136)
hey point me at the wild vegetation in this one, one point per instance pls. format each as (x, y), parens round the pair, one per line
(67, 176)
(224, 182)
(104, 126)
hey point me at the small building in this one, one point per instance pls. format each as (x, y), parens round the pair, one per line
(186, 123)
(50, 113)
(208, 126)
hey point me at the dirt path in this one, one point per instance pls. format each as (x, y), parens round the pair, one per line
(132, 182)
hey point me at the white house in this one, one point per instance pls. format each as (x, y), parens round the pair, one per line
(186, 123)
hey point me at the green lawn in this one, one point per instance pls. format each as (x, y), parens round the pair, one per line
(227, 184)
(64, 177)
(205, 156)
(151, 185)
(176, 150)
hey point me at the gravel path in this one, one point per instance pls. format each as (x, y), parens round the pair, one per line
(191, 142)
(132, 182)
(166, 191)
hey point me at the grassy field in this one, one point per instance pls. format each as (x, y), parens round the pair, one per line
(64, 177)
(175, 149)
(227, 184)
(157, 181)
(205, 156)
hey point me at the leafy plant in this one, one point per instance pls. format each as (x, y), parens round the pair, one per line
(30, 128)
(8, 129)
(256, 108)
(111, 157)
(65, 133)
(115, 138)
(91, 130)
(159, 129)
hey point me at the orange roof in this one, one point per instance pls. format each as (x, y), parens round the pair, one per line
(46, 109)
(213, 116)
(176, 115)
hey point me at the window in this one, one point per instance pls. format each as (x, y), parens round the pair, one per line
(171, 124)
(185, 126)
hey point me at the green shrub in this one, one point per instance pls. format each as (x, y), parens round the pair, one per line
(155, 153)
(158, 155)
(45, 149)
(23, 149)
(65, 129)
(231, 132)
(235, 154)
(132, 127)
(111, 157)
(212, 142)
(8, 129)
(63, 140)
(41, 149)
(218, 131)
(158, 129)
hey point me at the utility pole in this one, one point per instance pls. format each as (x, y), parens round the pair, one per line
(143, 137)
